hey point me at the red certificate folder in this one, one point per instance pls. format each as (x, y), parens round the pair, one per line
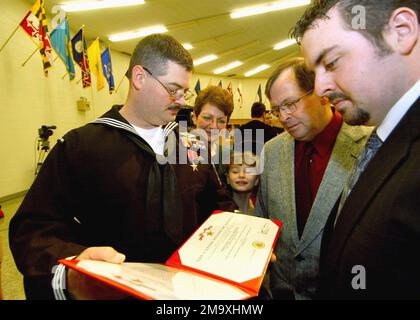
(225, 258)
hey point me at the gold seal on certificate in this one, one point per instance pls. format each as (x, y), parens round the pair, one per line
(258, 244)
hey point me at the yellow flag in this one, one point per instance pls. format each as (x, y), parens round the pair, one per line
(95, 63)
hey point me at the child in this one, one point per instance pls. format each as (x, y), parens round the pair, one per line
(243, 178)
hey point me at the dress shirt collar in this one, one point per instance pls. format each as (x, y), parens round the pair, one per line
(325, 140)
(397, 112)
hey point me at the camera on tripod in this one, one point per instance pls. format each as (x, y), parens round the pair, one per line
(46, 131)
(43, 144)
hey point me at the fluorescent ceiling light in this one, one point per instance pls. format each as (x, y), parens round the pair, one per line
(93, 5)
(227, 67)
(256, 70)
(281, 5)
(284, 44)
(205, 59)
(137, 34)
(187, 46)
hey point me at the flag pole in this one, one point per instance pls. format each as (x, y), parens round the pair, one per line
(29, 58)
(10, 37)
(118, 87)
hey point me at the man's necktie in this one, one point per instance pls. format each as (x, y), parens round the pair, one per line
(372, 145)
(303, 187)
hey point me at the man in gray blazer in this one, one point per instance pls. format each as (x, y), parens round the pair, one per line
(305, 170)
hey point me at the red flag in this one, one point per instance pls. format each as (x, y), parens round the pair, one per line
(36, 26)
(30, 24)
(240, 98)
(229, 88)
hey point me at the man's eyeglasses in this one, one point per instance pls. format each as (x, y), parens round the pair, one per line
(289, 107)
(173, 94)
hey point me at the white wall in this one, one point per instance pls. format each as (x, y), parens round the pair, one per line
(28, 100)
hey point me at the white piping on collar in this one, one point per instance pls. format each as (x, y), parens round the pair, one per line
(128, 127)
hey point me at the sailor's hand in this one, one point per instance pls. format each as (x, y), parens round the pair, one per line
(83, 287)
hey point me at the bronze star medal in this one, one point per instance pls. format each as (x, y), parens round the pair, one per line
(194, 158)
(193, 146)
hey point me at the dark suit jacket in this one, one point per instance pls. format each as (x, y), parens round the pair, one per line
(377, 234)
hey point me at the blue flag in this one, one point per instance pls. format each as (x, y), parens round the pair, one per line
(60, 40)
(78, 45)
(107, 69)
(197, 87)
(259, 93)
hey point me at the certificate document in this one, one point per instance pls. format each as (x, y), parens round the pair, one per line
(225, 258)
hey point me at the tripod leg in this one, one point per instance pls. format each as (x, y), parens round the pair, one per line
(40, 161)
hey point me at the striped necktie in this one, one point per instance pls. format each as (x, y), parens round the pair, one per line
(372, 145)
